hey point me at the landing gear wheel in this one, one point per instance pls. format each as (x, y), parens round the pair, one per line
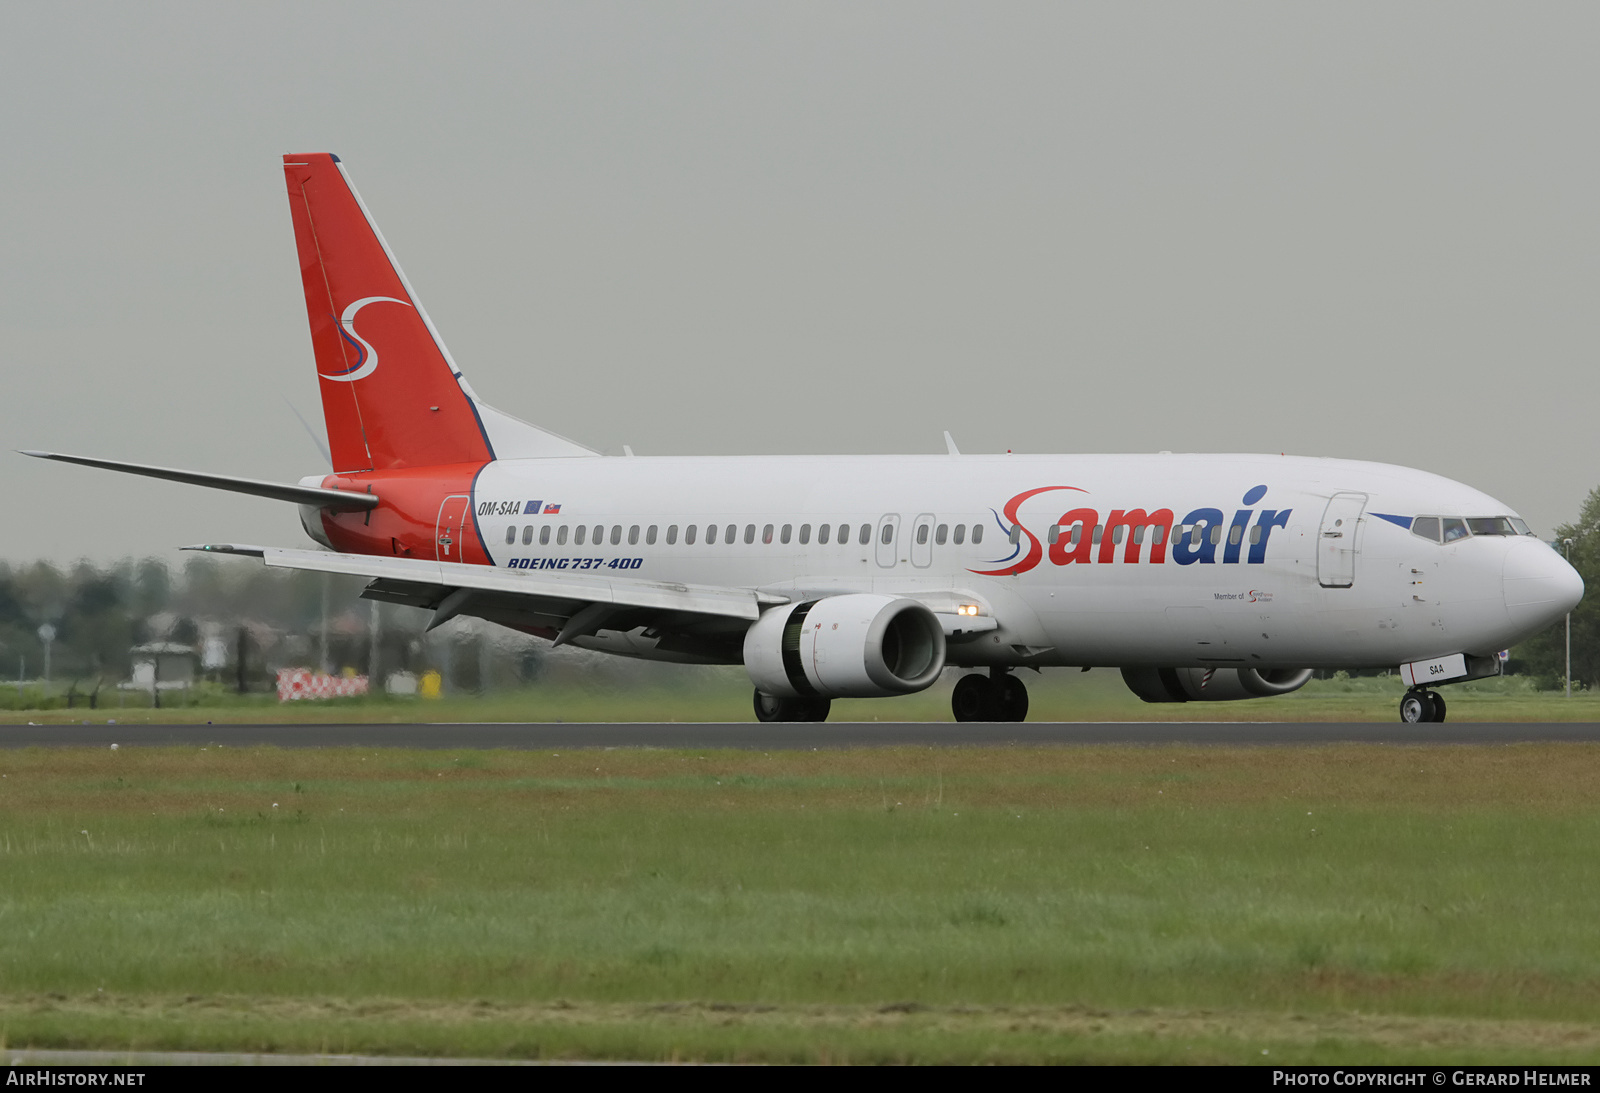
(1438, 709)
(814, 709)
(1418, 707)
(1013, 695)
(974, 699)
(769, 708)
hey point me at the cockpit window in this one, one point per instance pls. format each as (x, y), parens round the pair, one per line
(1490, 525)
(1448, 529)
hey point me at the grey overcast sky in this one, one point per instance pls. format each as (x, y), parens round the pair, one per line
(1362, 230)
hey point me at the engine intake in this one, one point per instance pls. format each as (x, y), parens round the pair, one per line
(852, 646)
(1212, 684)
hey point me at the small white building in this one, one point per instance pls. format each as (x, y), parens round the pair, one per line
(162, 665)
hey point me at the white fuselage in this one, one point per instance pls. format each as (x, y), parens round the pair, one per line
(1322, 570)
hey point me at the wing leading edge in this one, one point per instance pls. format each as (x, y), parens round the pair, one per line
(564, 607)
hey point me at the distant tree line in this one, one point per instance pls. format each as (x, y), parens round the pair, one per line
(99, 614)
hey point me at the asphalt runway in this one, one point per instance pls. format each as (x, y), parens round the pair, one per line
(791, 737)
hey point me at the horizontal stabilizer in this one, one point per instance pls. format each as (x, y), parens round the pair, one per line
(299, 495)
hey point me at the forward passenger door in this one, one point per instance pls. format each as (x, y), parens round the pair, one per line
(1339, 540)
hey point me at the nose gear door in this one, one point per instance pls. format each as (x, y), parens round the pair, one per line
(1339, 540)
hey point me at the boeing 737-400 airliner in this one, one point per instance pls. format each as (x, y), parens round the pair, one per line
(1202, 577)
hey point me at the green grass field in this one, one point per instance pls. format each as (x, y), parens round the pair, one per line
(724, 695)
(1328, 904)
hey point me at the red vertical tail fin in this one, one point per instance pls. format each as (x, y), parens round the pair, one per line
(391, 394)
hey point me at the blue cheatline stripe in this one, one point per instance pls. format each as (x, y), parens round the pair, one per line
(1400, 521)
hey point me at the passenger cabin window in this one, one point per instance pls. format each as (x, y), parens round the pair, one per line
(1216, 535)
(749, 533)
(960, 534)
(511, 535)
(822, 534)
(688, 534)
(633, 535)
(783, 536)
(1426, 527)
(616, 534)
(1255, 534)
(940, 534)
(866, 534)
(805, 534)
(1235, 535)
(711, 534)
(599, 534)
(544, 535)
(527, 535)
(650, 536)
(977, 534)
(1016, 535)
(922, 534)
(1454, 528)
(561, 535)
(766, 535)
(672, 534)
(581, 535)
(887, 536)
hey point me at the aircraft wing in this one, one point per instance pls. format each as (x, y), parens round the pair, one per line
(561, 605)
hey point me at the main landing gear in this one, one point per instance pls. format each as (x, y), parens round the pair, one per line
(998, 696)
(1421, 705)
(770, 709)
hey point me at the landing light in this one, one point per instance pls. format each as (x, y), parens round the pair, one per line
(966, 609)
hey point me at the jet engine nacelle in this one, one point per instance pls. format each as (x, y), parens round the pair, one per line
(1212, 684)
(852, 646)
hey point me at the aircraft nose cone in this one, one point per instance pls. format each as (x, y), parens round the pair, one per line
(1539, 585)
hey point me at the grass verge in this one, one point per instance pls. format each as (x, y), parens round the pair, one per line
(1330, 904)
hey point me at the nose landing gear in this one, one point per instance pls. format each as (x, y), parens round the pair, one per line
(1421, 705)
(999, 696)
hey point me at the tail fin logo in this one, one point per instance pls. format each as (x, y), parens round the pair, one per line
(366, 356)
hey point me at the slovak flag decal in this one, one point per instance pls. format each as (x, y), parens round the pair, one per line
(551, 510)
